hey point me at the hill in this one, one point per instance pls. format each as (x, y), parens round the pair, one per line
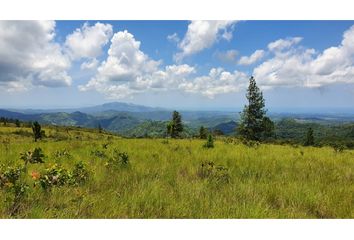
(86, 174)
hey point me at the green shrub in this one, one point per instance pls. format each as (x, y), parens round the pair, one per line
(10, 176)
(33, 157)
(79, 174)
(118, 159)
(214, 174)
(210, 142)
(55, 176)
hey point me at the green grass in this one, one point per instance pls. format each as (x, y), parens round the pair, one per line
(162, 180)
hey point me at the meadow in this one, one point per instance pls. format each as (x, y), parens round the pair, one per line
(176, 178)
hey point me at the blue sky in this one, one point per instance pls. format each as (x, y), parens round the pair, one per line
(177, 64)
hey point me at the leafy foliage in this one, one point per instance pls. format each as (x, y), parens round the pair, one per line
(118, 159)
(37, 132)
(33, 157)
(55, 176)
(80, 174)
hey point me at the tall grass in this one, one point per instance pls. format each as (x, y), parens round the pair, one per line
(162, 180)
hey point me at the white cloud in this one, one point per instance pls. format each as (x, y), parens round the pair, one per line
(283, 44)
(217, 82)
(90, 64)
(87, 41)
(228, 56)
(256, 56)
(29, 56)
(305, 67)
(173, 38)
(203, 34)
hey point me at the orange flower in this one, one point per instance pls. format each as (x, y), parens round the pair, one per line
(35, 175)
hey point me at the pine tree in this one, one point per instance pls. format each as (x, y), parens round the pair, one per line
(37, 133)
(254, 123)
(175, 127)
(100, 129)
(17, 123)
(210, 142)
(310, 140)
(203, 132)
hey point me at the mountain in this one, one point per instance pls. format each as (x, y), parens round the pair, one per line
(112, 106)
(228, 128)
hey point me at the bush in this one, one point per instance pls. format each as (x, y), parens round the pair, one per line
(98, 153)
(119, 159)
(251, 143)
(10, 176)
(338, 147)
(55, 176)
(210, 142)
(79, 174)
(215, 174)
(62, 154)
(33, 157)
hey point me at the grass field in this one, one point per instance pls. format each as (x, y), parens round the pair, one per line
(177, 178)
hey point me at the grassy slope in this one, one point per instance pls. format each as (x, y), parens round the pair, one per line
(271, 181)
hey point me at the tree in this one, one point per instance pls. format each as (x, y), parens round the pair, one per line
(255, 125)
(17, 123)
(37, 132)
(100, 129)
(310, 140)
(210, 142)
(203, 132)
(175, 127)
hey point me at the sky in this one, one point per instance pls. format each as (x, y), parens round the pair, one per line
(193, 65)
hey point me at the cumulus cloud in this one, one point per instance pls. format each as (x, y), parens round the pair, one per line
(30, 56)
(297, 66)
(87, 41)
(90, 64)
(217, 82)
(228, 56)
(248, 60)
(283, 44)
(203, 34)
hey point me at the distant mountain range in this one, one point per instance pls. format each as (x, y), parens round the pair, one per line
(137, 120)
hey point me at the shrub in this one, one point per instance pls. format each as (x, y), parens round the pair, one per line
(55, 176)
(10, 176)
(210, 142)
(98, 153)
(119, 159)
(33, 157)
(62, 154)
(251, 143)
(79, 174)
(214, 174)
(338, 147)
(10, 182)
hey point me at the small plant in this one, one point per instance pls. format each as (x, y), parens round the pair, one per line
(98, 153)
(10, 176)
(10, 182)
(62, 154)
(6, 142)
(214, 174)
(210, 142)
(338, 148)
(55, 176)
(105, 145)
(33, 157)
(79, 174)
(119, 159)
(251, 143)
